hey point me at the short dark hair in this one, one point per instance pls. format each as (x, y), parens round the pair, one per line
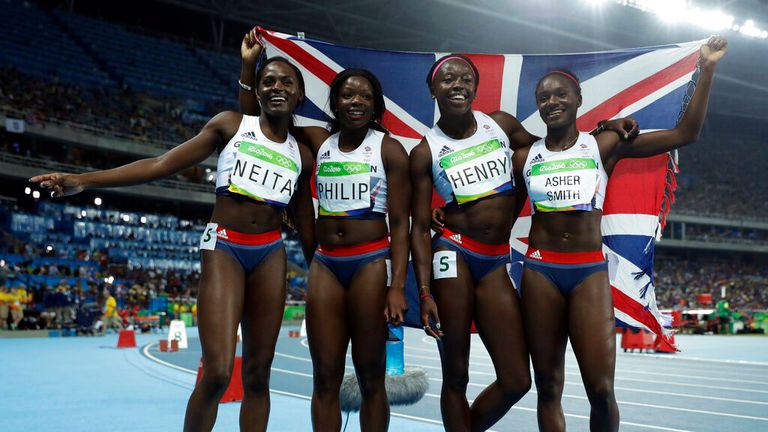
(299, 76)
(378, 97)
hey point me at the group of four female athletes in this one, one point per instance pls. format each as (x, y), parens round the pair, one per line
(478, 163)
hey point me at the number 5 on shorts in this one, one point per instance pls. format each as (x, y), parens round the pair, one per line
(444, 265)
(208, 239)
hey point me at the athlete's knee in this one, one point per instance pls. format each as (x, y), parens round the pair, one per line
(600, 392)
(371, 381)
(456, 376)
(327, 381)
(215, 378)
(256, 378)
(514, 384)
(549, 385)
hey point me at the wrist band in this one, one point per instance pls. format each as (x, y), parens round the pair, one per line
(599, 129)
(425, 295)
(245, 87)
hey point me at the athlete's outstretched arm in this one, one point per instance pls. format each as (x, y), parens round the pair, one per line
(421, 247)
(302, 208)
(689, 127)
(398, 204)
(519, 137)
(213, 135)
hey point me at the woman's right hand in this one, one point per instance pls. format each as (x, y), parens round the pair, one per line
(251, 48)
(438, 219)
(429, 313)
(60, 184)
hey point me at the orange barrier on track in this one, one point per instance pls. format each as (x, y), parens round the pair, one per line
(642, 340)
(126, 339)
(234, 392)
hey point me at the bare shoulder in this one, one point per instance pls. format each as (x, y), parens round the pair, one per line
(505, 120)
(421, 152)
(226, 122)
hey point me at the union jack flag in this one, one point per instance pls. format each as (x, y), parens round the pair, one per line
(651, 84)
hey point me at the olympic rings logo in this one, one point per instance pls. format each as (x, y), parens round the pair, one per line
(282, 160)
(577, 164)
(353, 168)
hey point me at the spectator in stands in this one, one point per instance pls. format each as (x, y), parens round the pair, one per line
(111, 319)
(243, 260)
(5, 304)
(18, 304)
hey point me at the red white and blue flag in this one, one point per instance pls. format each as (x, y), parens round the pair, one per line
(651, 84)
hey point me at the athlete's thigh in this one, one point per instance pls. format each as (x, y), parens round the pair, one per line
(327, 331)
(455, 297)
(592, 326)
(500, 323)
(367, 324)
(263, 308)
(545, 321)
(219, 304)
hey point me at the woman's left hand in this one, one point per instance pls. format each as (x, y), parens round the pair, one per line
(626, 127)
(714, 50)
(394, 312)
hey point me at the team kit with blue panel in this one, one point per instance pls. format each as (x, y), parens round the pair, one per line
(353, 184)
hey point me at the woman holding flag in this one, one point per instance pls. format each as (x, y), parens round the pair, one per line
(362, 178)
(565, 288)
(467, 159)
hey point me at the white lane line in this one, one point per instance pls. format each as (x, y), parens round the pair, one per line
(395, 414)
(735, 389)
(582, 417)
(146, 352)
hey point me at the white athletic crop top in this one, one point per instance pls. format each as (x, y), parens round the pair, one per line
(573, 179)
(255, 166)
(352, 184)
(473, 168)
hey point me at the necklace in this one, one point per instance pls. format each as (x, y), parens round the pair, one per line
(566, 147)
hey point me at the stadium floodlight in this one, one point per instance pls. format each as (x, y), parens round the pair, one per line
(711, 20)
(36, 194)
(126, 218)
(83, 213)
(674, 11)
(749, 29)
(143, 219)
(49, 248)
(97, 201)
(27, 190)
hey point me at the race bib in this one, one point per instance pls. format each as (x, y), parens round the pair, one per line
(563, 185)
(263, 174)
(343, 188)
(208, 239)
(478, 171)
(444, 265)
